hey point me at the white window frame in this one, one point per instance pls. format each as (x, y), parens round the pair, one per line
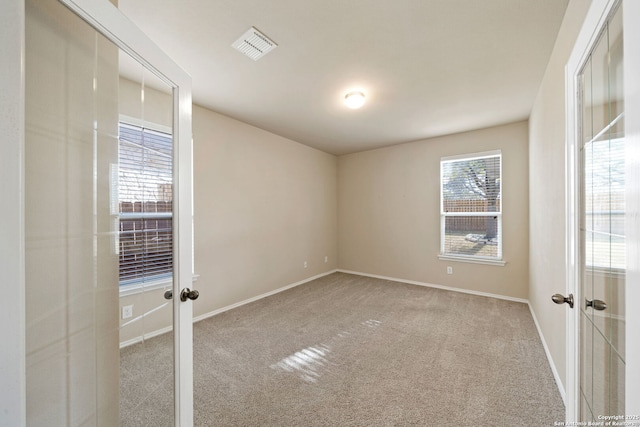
(477, 259)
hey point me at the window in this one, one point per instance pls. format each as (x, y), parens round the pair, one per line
(145, 205)
(603, 196)
(471, 207)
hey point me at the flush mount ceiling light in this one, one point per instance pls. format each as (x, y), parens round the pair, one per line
(354, 99)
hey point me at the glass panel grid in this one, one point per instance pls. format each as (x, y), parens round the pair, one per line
(602, 227)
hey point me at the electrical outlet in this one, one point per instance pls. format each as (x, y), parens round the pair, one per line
(127, 311)
(326, 259)
(305, 264)
(449, 270)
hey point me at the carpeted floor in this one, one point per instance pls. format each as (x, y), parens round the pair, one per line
(348, 350)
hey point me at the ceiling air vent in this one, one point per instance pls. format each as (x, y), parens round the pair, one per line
(254, 44)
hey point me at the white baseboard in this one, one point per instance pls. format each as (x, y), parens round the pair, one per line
(256, 298)
(563, 394)
(431, 285)
(147, 336)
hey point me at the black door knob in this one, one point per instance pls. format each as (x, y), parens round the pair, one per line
(190, 294)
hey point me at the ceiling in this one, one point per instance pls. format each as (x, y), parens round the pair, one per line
(428, 67)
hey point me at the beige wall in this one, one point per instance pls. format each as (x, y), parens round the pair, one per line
(547, 191)
(389, 215)
(263, 206)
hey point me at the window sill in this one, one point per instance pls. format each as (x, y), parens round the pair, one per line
(138, 288)
(472, 260)
(605, 271)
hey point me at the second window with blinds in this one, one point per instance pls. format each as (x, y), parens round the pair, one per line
(145, 201)
(471, 207)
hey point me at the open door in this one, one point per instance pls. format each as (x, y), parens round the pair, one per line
(602, 221)
(602, 243)
(75, 229)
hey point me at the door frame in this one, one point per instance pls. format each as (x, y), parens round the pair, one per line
(109, 21)
(631, 18)
(593, 24)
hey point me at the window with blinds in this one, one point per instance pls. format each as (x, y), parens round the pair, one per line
(145, 204)
(603, 196)
(471, 206)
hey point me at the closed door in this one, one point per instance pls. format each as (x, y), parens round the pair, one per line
(602, 245)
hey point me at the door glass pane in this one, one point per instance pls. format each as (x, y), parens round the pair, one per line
(71, 261)
(586, 359)
(617, 179)
(600, 374)
(145, 204)
(75, 329)
(602, 227)
(586, 224)
(585, 413)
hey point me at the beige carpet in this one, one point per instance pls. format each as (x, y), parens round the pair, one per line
(347, 350)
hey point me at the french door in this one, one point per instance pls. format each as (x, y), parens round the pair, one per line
(70, 226)
(603, 224)
(601, 307)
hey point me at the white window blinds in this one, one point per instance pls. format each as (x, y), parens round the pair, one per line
(145, 204)
(604, 202)
(471, 206)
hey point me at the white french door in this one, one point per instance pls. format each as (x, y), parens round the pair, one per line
(64, 171)
(603, 217)
(602, 245)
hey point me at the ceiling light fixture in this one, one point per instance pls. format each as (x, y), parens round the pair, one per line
(354, 99)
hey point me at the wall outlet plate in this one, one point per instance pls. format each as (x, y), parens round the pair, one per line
(127, 311)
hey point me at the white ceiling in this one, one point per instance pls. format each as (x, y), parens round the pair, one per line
(428, 67)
